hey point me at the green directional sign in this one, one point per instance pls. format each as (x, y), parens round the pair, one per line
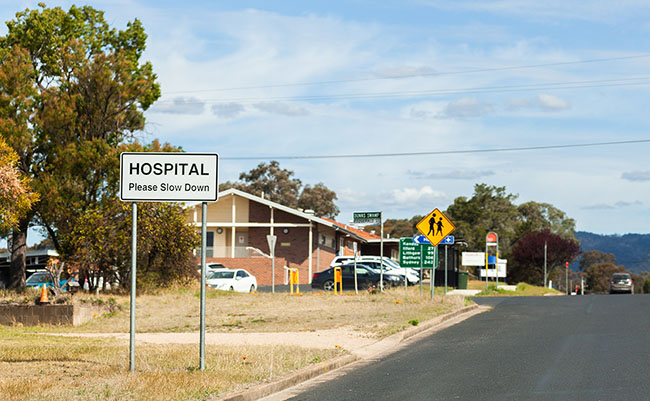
(367, 217)
(415, 255)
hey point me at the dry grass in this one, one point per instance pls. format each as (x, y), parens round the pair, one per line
(523, 289)
(35, 367)
(178, 310)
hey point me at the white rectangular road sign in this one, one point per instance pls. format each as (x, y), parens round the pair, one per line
(169, 176)
(473, 259)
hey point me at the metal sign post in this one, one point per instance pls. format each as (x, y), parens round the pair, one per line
(433, 270)
(204, 219)
(356, 287)
(168, 177)
(134, 254)
(373, 218)
(449, 240)
(271, 239)
(492, 239)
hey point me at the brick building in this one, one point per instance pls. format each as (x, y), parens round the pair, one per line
(238, 223)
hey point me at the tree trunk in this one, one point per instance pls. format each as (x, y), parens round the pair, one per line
(18, 255)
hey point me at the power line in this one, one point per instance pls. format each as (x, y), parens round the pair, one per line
(444, 152)
(619, 82)
(405, 76)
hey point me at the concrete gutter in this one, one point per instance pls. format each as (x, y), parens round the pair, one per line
(382, 347)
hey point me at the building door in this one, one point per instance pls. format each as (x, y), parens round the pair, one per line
(241, 239)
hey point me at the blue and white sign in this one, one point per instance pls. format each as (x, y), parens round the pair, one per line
(448, 240)
(421, 239)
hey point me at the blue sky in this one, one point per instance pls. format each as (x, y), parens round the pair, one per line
(268, 79)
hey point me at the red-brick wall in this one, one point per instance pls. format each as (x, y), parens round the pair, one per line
(291, 249)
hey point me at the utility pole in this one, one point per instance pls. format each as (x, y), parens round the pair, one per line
(567, 278)
(545, 248)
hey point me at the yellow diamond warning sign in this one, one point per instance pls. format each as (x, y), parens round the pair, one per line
(435, 226)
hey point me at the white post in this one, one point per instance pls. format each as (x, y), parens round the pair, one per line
(233, 235)
(311, 250)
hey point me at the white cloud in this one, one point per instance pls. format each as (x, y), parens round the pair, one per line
(542, 101)
(636, 176)
(227, 110)
(404, 71)
(594, 10)
(285, 109)
(551, 103)
(466, 108)
(453, 175)
(179, 105)
(411, 196)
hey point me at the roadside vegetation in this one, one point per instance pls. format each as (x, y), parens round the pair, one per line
(522, 289)
(34, 364)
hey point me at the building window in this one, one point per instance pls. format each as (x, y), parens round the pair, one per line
(209, 244)
(323, 240)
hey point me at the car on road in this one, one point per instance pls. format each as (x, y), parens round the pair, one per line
(238, 280)
(621, 282)
(366, 277)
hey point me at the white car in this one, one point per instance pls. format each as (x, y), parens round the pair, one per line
(373, 261)
(238, 280)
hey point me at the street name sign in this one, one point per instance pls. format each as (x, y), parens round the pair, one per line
(435, 226)
(169, 177)
(415, 255)
(367, 217)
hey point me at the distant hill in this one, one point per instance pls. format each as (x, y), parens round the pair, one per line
(631, 250)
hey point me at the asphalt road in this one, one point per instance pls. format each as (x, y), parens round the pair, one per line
(594, 347)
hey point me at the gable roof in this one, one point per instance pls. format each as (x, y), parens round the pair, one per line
(358, 234)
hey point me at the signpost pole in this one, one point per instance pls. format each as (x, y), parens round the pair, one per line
(567, 278)
(273, 271)
(356, 287)
(421, 268)
(271, 239)
(134, 253)
(433, 270)
(545, 247)
(486, 267)
(446, 247)
(381, 251)
(204, 223)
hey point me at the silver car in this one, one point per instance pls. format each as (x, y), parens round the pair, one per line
(621, 282)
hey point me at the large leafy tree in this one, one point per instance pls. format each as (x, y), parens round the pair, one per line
(491, 208)
(527, 261)
(536, 216)
(16, 197)
(99, 241)
(280, 185)
(397, 228)
(71, 90)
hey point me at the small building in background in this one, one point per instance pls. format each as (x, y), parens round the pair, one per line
(238, 223)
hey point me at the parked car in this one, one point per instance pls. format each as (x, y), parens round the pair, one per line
(391, 269)
(373, 261)
(366, 277)
(39, 278)
(621, 282)
(238, 280)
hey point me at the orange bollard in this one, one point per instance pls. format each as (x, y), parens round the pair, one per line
(44, 299)
(293, 279)
(338, 279)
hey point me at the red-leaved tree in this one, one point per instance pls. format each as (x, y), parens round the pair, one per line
(527, 261)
